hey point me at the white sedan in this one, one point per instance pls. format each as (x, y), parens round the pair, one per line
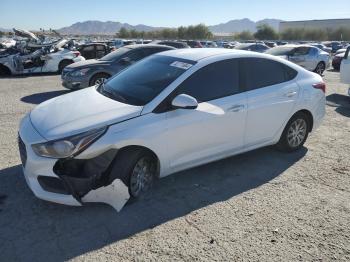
(169, 112)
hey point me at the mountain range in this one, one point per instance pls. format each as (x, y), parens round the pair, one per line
(110, 28)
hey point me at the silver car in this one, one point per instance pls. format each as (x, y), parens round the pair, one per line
(307, 56)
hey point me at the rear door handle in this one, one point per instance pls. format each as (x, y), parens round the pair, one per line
(290, 94)
(235, 108)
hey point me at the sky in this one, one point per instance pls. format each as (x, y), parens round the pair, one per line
(35, 14)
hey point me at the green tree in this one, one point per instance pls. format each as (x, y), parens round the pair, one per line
(244, 35)
(266, 32)
(123, 33)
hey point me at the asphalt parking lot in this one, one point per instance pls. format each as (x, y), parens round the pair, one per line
(260, 206)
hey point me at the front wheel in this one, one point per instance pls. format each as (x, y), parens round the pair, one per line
(137, 169)
(295, 133)
(98, 79)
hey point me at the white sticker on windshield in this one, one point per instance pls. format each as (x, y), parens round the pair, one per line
(181, 65)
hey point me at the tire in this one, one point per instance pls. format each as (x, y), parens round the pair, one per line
(320, 68)
(96, 79)
(128, 168)
(291, 135)
(63, 64)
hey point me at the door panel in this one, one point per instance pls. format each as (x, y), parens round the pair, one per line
(268, 109)
(271, 97)
(213, 129)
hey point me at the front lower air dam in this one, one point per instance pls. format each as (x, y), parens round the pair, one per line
(88, 180)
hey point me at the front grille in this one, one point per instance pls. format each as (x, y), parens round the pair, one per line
(22, 151)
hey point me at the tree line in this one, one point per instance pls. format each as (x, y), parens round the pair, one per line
(183, 32)
(264, 32)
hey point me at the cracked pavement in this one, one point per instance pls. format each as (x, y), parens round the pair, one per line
(260, 206)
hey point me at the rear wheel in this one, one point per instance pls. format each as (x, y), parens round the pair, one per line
(295, 133)
(320, 68)
(137, 169)
(99, 78)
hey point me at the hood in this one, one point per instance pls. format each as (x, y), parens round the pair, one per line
(25, 33)
(283, 56)
(87, 63)
(77, 112)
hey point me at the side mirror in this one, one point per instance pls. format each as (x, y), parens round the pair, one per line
(183, 101)
(125, 61)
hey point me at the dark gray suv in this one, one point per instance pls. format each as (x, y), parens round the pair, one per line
(94, 71)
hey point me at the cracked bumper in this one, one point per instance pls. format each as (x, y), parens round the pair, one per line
(35, 167)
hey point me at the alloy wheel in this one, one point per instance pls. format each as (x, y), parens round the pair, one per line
(142, 176)
(320, 68)
(297, 132)
(100, 80)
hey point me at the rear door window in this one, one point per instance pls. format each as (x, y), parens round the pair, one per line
(260, 72)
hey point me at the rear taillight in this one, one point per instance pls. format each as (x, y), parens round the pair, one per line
(76, 53)
(321, 86)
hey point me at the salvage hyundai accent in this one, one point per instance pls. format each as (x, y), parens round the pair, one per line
(169, 112)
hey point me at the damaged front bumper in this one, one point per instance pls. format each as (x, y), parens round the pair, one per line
(69, 181)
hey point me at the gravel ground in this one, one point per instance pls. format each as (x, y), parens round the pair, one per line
(259, 206)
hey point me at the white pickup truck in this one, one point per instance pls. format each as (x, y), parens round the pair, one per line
(345, 69)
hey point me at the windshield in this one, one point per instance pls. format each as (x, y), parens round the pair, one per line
(143, 81)
(115, 54)
(279, 51)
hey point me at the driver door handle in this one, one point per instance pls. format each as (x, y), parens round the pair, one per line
(290, 93)
(235, 108)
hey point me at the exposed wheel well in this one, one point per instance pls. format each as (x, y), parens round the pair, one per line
(64, 62)
(309, 116)
(134, 147)
(4, 70)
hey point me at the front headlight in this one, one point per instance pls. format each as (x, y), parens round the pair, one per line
(69, 146)
(80, 72)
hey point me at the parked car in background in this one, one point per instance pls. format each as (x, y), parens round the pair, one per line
(194, 44)
(335, 46)
(162, 115)
(345, 69)
(308, 57)
(337, 59)
(209, 44)
(93, 50)
(175, 44)
(95, 71)
(46, 59)
(255, 47)
(270, 44)
(342, 50)
(323, 47)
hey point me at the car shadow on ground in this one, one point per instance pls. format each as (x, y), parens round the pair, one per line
(34, 230)
(340, 102)
(41, 97)
(29, 75)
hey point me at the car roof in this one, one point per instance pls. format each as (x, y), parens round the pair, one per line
(196, 54)
(147, 46)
